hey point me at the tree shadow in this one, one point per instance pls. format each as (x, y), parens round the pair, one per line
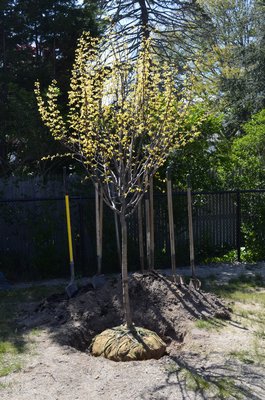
(192, 380)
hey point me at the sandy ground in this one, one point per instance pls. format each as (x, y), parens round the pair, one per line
(59, 372)
(202, 367)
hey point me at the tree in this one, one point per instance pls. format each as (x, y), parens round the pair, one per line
(231, 63)
(245, 162)
(123, 121)
(37, 39)
(244, 168)
(174, 25)
(199, 158)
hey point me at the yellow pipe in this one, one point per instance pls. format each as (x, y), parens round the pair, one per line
(68, 218)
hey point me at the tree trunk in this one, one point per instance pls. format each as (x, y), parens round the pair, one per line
(144, 19)
(124, 270)
(99, 222)
(117, 231)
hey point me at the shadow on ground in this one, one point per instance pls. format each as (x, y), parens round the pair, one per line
(193, 380)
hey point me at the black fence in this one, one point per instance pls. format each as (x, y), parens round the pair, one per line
(33, 233)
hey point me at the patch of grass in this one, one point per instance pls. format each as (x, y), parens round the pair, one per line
(243, 356)
(256, 354)
(248, 314)
(226, 389)
(220, 388)
(172, 368)
(211, 324)
(36, 293)
(9, 357)
(247, 296)
(195, 382)
(36, 332)
(244, 289)
(260, 315)
(250, 318)
(8, 347)
(4, 385)
(259, 351)
(7, 367)
(260, 333)
(13, 344)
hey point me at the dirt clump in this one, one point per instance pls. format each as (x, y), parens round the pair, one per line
(157, 304)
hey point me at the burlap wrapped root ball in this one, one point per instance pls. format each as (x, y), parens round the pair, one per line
(121, 344)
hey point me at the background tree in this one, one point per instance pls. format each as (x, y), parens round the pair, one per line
(37, 39)
(199, 158)
(175, 26)
(231, 71)
(244, 165)
(124, 119)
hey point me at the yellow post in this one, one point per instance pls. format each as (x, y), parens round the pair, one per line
(68, 218)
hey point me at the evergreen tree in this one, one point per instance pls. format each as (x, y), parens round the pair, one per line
(174, 25)
(38, 40)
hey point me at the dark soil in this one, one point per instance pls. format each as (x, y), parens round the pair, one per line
(157, 303)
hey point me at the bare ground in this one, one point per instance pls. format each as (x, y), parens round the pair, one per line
(215, 362)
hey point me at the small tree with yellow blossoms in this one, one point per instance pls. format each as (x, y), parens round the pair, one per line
(124, 119)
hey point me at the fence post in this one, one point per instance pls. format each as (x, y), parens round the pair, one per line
(238, 224)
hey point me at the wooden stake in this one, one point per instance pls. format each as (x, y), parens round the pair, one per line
(191, 240)
(141, 235)
(152, 232)
(148, 233)
(99, 223)
(171, 227)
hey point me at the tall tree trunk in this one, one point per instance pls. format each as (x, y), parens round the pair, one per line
(124, 270)
(144, 19)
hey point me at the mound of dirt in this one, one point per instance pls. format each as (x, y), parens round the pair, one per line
(157, 304)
